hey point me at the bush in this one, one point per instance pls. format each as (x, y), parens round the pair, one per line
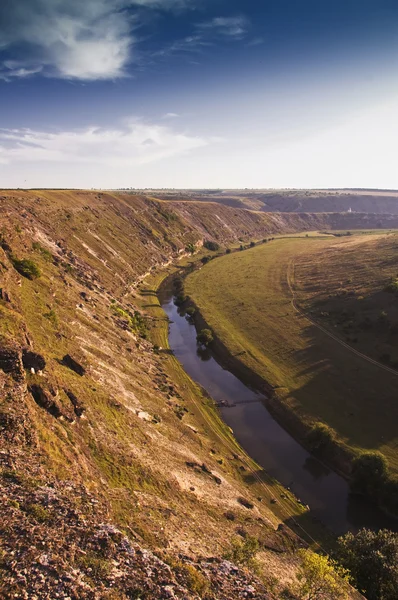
(228, 251)
(210, 245)
(190, 311)
(190, 248)
(372, 558)
(369, 473)
(180, 299)
(243, 552)
(27, 268)
(205, 259)
(320, 437)
(204, 337)
(319, 577)
(252, 244)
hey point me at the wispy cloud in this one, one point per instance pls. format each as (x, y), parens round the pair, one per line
(72, 39)
(207, 34)
(137, 143)
(234, 27)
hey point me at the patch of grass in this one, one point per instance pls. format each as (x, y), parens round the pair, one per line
(46, 254)
(38, 512)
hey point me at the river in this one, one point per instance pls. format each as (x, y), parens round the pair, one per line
(275, 450)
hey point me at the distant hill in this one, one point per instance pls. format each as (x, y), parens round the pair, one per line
(299, 201)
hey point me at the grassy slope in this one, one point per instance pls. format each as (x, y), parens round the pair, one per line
(246, 298)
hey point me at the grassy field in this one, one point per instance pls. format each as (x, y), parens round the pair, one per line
(247, 299)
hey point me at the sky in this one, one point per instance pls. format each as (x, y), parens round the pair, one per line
(199, 93)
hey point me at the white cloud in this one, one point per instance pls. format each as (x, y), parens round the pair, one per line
(170, 115)
(137, 144)
(73, 39)
(235, 27)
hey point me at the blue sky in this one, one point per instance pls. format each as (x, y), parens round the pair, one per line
(196, 93)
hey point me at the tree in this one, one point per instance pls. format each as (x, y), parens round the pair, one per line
(320, 437)
(319, 579)
(204, 337)
(369, 472)
(372, 558)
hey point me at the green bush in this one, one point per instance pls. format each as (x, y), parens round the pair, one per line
(27, 268)
(190, 311)
(205, 259)
(372, 559)
(190, 248)
(243, 552)
(252, 244)
(320, 578)
(320, 437)
(204, 337)
(210, 245)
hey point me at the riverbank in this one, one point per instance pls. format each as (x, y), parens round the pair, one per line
(281, 502)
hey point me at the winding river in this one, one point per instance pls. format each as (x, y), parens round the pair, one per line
(279, 454)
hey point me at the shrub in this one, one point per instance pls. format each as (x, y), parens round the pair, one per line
(243, 552)
(180, 299)
(252, 244)
(210, 245)
(205, 259)
(27, 268)
(372, 559)
(190, 248)
(319, 578)
(369, 472)
(38, 512)
(320, 437)
(204, 337)
(228, 251)
(241, 247)
(190, 311)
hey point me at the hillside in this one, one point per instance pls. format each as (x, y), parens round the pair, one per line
(118, 480)
(295, 201)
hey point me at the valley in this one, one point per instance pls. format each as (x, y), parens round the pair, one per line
(114, 461)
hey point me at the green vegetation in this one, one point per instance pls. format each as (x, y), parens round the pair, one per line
(320, 578)
(320, 437)
(243, 550)
(210, 245)
(372, 559)
(252, 301)
(43, 251)
(26, 267)
(204, 337)
(134, 320)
